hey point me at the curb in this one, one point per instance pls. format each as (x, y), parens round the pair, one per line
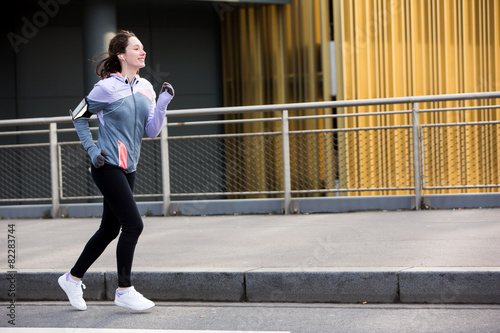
(438, 285)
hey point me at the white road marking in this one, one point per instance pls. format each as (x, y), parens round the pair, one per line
(121, 330)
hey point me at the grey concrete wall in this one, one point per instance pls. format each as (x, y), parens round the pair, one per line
(42, 68)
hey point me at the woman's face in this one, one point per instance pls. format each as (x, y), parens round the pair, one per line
(134, 55)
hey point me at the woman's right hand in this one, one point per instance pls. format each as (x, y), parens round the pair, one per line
(99, 162)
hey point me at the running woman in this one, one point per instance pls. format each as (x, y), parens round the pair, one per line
(126, 108)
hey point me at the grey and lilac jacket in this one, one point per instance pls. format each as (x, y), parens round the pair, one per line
(125, 111)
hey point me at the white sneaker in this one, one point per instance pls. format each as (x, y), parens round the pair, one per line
(73, 290)
(133, 300)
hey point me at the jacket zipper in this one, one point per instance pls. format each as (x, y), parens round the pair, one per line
(135, 121)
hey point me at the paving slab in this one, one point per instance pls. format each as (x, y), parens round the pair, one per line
(379, 256)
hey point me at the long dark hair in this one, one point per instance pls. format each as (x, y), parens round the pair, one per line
(117, 45)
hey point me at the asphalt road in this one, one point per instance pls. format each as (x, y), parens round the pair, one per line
(238, 317)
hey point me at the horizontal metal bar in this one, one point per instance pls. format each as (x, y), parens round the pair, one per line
(87, 197)
(357, 129)
(35, 121)
(353, 190)
(66, 130)
(152, 195)
(212, 136)
(62, 130)
(342, 115)
(280, 107)
(223, 122)
(200, 194)
(25, 199)
(254, 120)
(39, 121)
(339, 190)
(463, 124)
(462, 108)
(24, 145)
(69, 143)
(25, 132)
(459, 187)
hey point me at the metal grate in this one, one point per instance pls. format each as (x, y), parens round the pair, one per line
(25, 172)
(461, 155)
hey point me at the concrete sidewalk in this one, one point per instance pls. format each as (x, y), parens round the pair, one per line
(435, 256)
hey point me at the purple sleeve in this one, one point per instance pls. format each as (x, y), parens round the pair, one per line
(157, 112)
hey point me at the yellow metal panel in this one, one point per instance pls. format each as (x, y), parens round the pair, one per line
(278, 54)
(417, 47)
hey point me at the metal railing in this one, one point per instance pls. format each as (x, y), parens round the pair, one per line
(287, 151)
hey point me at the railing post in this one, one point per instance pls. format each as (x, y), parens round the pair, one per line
(286, 162)
(416, 156)
(165, 169)
(54, 170)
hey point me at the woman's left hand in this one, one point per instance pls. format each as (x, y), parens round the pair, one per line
(166, 95)
(168, 88)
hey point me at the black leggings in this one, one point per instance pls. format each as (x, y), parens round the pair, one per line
(119, 211)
